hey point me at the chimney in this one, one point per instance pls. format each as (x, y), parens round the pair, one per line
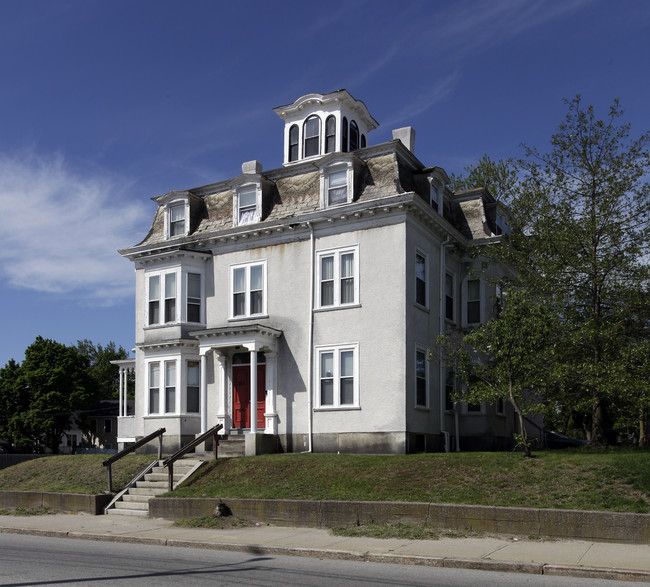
(407, 136)
(251, 167)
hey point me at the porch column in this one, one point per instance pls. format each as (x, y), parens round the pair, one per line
(270, 415)
(221, 378)
(203, 399)
(120, 409)
(253, 407)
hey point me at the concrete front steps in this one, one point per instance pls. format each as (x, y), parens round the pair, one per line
(231, 446)
(134, 500)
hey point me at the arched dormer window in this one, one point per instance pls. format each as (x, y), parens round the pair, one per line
(344, 135)
(311, 135)
(293, 143)
(330, 134)
(354, 136)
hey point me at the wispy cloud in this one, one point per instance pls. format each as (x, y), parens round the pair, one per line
(438, 91)
(60, 229)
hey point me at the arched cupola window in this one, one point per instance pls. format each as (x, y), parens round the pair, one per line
(293, 143)
(354, 136)
(363, 141)
(311, 135)
(344, 135)
(330, 134)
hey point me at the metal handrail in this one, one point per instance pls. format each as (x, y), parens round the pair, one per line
(129, 449)
(169, 461)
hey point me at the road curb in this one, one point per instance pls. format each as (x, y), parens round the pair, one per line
(446, 562)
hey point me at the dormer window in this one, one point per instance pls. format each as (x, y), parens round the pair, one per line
(177, 220)
(312, 136)
(294, 143)
(337, 181)
(246, 206)
(330, 134)
(354, 136)
(337, 187)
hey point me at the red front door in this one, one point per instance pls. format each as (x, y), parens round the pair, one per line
(241, 392)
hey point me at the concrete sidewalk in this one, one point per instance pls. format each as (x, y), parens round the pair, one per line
(570, 558)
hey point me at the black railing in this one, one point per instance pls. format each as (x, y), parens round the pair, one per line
(169, 461)
(136, 445)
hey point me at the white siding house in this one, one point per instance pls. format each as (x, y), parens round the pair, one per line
(297, 306)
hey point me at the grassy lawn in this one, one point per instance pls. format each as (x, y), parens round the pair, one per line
(71, 473)
(591, 479)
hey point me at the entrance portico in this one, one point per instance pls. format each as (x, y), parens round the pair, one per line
(233, 350)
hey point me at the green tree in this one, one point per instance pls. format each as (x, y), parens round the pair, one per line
(583, 210)
(56, 382)
(509, 359)
(12, 401)
(499, 177)
(104, 374)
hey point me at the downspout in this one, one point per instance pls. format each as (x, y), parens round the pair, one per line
(310, 360)
(441, 330)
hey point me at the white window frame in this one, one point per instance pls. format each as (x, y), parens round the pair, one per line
(425, 256)
(236, 209)
(336, 351)
(337, 279)
(168, 218)
(247, 290)
(187, 299)
(466, 301)
(160, 387)
(181, 365)
(420, 349)
(186, 366)
(325, 174)
(181, 295)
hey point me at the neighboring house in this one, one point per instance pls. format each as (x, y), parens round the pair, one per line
(94, 429)
(298, 305)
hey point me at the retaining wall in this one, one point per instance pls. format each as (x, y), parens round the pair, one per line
(60, 502)
(571, 524)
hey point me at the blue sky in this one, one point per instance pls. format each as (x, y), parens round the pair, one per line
(105, 104)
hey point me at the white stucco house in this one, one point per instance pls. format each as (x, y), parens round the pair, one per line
(296, 306)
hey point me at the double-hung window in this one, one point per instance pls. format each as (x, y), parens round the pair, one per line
(173, 296)
(170, 297)
(247, 205)
(312, 136)
(248, 287)
(194, 297)
(170, 387)
(293, 143)
(330, 134)
(338, 272)
(421, 378)
(473, 301)
(337, 187)
(338, 385)
(154, 388)
(193, 387)
(154, 299)
(421, 279)
(177, 220)
(449, 296)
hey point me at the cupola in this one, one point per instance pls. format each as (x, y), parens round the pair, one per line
(319, 124)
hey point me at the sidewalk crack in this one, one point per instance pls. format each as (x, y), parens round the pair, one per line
(584, 554)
